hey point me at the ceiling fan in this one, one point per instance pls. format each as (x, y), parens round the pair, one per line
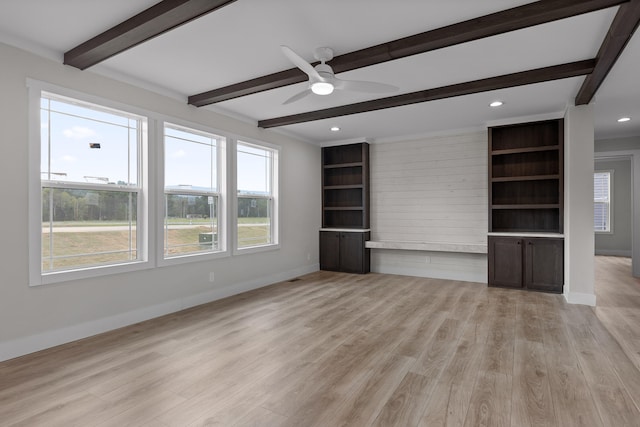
(322, 81)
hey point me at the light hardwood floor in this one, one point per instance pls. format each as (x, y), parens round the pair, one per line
(334, 349)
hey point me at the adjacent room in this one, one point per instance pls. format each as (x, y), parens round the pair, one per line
(320, 213)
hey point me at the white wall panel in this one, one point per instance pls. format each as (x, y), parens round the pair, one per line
(430, 190)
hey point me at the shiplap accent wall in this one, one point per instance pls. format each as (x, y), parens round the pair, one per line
(431, 189)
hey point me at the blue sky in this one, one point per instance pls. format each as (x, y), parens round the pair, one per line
(190, 157)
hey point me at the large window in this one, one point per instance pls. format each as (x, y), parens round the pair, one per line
(114, 188)
(192, 191)
(90, 184)
(602, 201)
(257, 195)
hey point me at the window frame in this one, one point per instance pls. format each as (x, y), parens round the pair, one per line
(36, 91)
(221, 171)
(274, 176)
(608, 202)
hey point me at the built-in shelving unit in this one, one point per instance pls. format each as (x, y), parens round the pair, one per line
(526, 197)
(526, 177)
(345, 186)
(345, 208)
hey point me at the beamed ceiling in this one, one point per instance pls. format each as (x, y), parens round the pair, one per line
(450, 59)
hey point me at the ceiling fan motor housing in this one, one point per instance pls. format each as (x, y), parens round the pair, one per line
(325, 71)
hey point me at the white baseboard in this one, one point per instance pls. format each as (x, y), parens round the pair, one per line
(21, 346)
(613, 252)
(580, 298)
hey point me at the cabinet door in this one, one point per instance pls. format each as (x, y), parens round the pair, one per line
(505, 262)
(330, 250)
(544, 264)
(352, 252)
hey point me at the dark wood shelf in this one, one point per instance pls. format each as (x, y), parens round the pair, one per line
(528, 206)
(342, 187)
(343, 208)
(525, 178)
(525, 150)
(343, 165)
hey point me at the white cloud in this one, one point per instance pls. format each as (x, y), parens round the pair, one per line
(78, 132)
(178, 154)
(68, 158)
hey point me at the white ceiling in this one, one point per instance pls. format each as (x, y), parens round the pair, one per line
(241, 41)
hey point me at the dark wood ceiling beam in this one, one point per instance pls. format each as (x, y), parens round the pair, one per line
(152, 22)
(622, 28)
(517, 18)
(539, 75)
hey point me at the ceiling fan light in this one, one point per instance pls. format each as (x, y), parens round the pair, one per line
(322, 88)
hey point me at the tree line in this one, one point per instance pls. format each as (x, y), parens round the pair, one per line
(90, 205)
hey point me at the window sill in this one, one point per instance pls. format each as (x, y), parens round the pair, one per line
(257, 249)
(87, 273)
(185, 259)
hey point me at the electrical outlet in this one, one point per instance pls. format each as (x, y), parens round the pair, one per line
(427, 260)
(308, 257)
(212, 276)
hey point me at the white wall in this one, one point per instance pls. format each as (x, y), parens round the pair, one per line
(430, 189)
(578, 212)
(32, 318)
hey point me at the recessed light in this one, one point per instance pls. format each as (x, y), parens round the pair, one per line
(624, 119)
(496, 104)
(335, 129)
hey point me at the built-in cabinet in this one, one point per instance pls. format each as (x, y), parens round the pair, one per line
(534, 263)
(344, 251)
(345, 208)
(526, 197)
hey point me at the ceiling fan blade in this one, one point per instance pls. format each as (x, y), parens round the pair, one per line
(297, 96)
(300, 63)
(367, 87)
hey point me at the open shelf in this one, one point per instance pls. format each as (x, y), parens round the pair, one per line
(343, 155)
(345, 186)
(525, 150)
(526, 177)
(526, 136)
(343, 165)
(334, 177)
(529, 220)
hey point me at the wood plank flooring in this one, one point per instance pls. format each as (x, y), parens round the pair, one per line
(335, 349)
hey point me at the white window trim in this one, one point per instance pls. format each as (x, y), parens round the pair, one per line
(222, 168)
(610, 213)
(275, 186)
(144, 220)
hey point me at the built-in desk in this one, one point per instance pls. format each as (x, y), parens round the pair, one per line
(473, 248)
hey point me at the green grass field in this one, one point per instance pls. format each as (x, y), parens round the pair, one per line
(70, 248)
